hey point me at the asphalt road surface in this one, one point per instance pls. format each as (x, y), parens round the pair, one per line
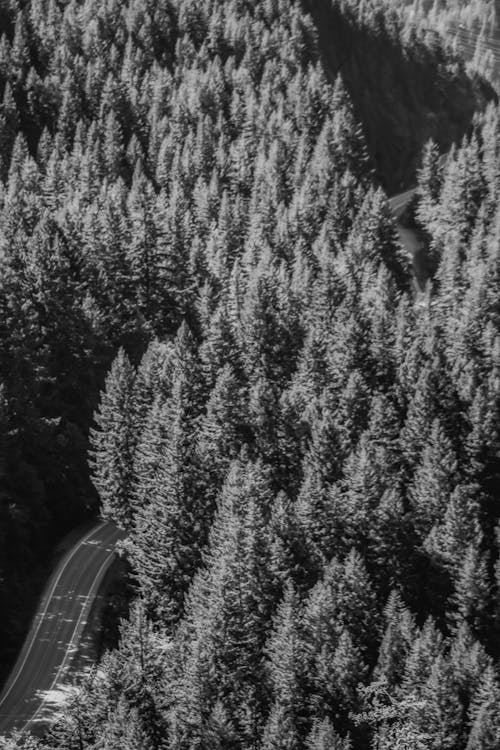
(57, 628)
(399, 202)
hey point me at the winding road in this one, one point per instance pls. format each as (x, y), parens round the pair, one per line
(56, 631)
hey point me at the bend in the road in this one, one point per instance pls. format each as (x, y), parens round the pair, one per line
(57, 628)
(39, 617)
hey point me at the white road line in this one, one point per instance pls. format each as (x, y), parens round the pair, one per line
(93, 589)
(101, 546)
(399, 200)
(13, 679)
(397, 204)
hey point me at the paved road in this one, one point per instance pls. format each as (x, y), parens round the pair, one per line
(57, 628)
(399, 202)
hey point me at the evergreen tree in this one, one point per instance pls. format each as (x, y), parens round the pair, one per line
(429, 187)
(286, 672)
(469, 601)
(439, 714)
(484, 717)
(170, 520)
(229, 605)
(397, 641)
(224, 427)
(324, 737)
(432, 483)
(112, 440)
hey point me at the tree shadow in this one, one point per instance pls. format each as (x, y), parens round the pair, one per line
(405, 89)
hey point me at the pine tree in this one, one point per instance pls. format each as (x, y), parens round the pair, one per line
(482, 439)
(223, 428)
(194, 697)
(324, 737)
(459, 528)
(337, 679)
(397, 641)
(142, 257)
(429, 187)
(420, 414)
(170, 520)
(335, 605)
(153, 380)
(317, 512)
(290, 555)
(286, 666)
(362, 488)
(432, 483)
(484, 714)
(440, 714)
(230, 602)
(373, 238)
(470, 598)
(131, 681)
(469, 662)
(111, 443)
(424, 650)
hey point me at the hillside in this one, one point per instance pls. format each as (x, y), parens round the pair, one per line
(202, 286)
(470, 27)
(84, 133)
(405, 88)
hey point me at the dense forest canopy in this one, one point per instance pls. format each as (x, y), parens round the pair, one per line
(470, 27)
(470, 13)
(303, 449)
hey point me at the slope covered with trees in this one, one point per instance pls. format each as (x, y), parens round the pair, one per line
(471, 13)
(304, 452)
(134, 135)
(470, 27)
(418, 91)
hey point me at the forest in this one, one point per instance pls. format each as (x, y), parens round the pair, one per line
(470, 27)
(478, 14)
(211, 335)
